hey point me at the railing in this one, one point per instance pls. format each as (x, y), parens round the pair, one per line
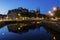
(27, 18)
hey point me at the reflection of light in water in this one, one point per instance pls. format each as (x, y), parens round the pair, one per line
(32, 33)
(19, 28)
(54, 38)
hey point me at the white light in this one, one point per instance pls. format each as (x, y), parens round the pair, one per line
(19, 28)
(54, 8)
(50, 13)
(38, 22)
(18, 14)
(54, 37)
(22, 18)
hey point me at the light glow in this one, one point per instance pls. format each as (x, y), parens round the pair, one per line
(18, 14)
(38, 22)
(19, 28)
(54, 9)
(50, 13)
(54, 38)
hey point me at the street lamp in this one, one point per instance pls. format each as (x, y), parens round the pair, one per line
(50, 13)
(54, 8)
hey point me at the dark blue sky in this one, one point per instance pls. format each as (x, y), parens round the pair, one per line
(44, 5)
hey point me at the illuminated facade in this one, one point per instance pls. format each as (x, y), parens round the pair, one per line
(23, 12)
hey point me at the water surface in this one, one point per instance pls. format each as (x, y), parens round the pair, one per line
(36, 34)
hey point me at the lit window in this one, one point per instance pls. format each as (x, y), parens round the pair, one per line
(19, 28)
(22, 18)
(18, 14)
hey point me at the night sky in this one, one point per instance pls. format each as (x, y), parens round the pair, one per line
(44, 5)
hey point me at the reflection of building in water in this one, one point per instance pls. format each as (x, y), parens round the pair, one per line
(21, 28)
(23, 13)
(56, 35)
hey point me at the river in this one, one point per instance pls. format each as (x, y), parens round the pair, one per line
(36, 34)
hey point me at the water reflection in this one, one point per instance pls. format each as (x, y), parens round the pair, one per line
(20, 31)
(21, 27)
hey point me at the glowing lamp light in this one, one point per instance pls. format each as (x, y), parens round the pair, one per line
(23, 18)
(18, 14)
(54, 38)
(54, 9)
(38, 22)
(50, 13)
(19, 28)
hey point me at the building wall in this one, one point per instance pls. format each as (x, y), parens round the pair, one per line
(12, 14)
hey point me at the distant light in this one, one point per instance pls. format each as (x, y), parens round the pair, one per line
(50, 13)
(18, 14)
(54, 38)
(23, 18)
(54, 19)
(19, 28)
(54, 8)
(38, 22)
